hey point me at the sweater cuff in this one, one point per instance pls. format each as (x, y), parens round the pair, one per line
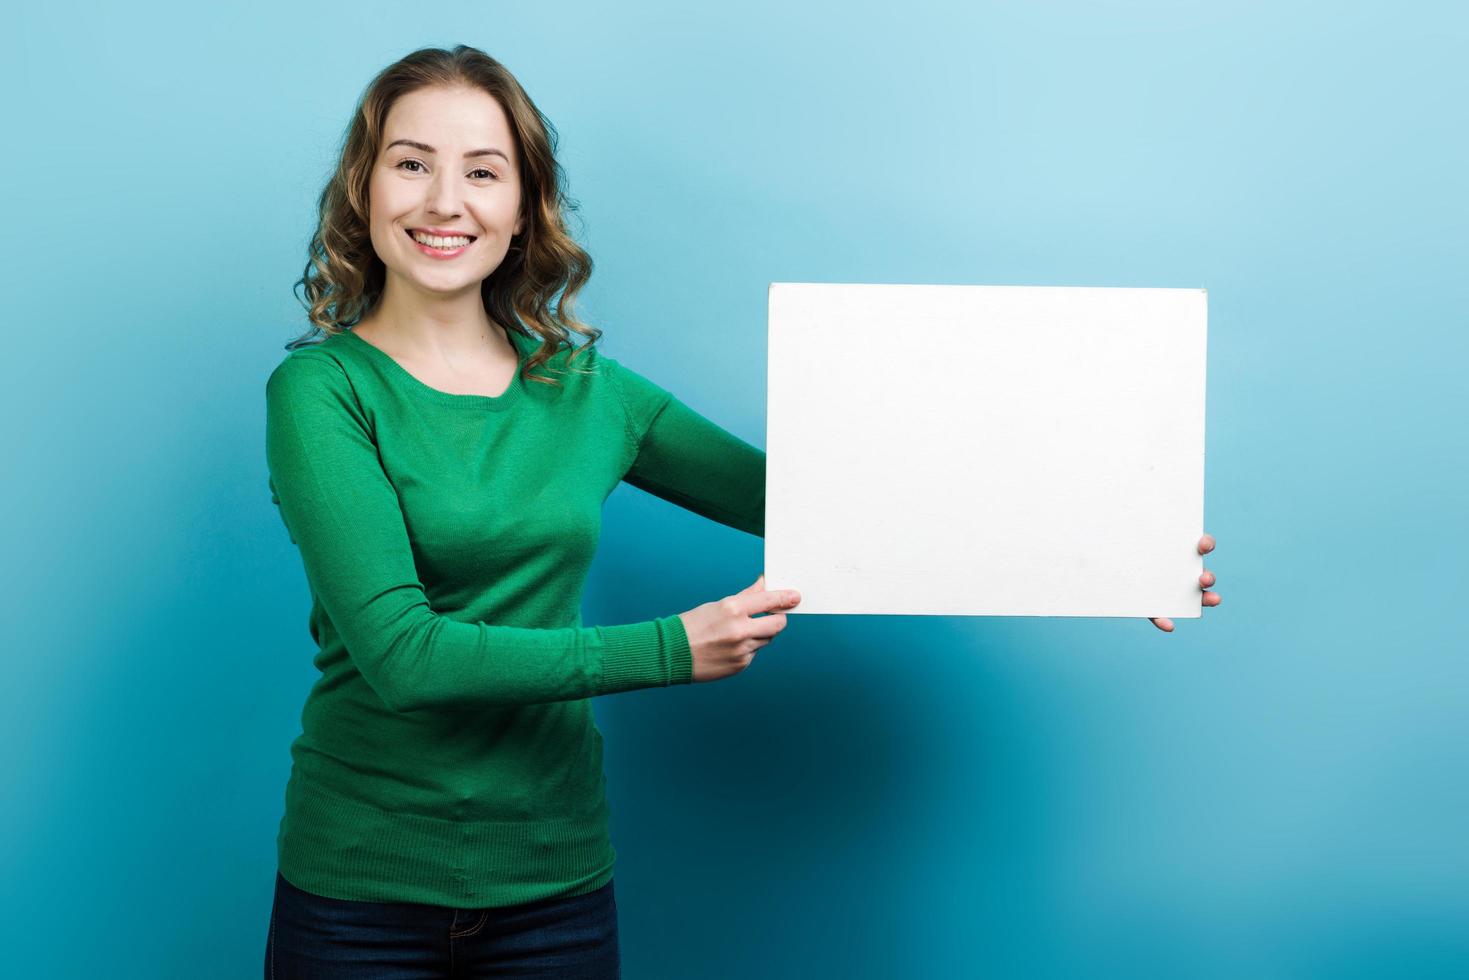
(655, 653)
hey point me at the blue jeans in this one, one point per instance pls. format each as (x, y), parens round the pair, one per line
(328, 938)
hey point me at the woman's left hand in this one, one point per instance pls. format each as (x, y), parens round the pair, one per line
(1206, 545)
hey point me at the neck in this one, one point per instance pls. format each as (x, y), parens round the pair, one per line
(417, 322)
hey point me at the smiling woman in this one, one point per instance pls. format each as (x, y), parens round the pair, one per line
(448, 159)
(417, 184)
(447, 805)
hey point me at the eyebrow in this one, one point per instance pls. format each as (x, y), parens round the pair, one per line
(489, 151)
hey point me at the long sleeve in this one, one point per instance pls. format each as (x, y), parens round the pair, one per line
(343, 513)
(684, 458)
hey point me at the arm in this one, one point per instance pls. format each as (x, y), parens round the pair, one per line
(687, 460)
(343, 513)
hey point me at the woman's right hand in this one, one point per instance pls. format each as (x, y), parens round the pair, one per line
(724, 634)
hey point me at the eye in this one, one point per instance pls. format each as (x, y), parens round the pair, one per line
(481, 170)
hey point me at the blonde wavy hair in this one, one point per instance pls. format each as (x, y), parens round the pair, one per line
(344, 277)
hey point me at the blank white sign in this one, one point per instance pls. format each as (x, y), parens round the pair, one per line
(986, 450)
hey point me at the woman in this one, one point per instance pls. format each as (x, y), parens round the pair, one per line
(441, 471)
(441, 458)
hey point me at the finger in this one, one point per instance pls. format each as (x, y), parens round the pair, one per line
(1211, 599)
(759, 602)
(1163, 623)
(1206, 579)
(767, 626)
(1206, 544)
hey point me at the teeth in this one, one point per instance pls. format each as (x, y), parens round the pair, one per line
(434, 241)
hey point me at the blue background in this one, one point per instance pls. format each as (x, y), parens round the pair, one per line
(1279, 789)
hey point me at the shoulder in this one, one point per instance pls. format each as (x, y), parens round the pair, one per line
(639, 398)
(304, 366)
(582, 372)
(631, 385)
(314, 375)
(585, 359)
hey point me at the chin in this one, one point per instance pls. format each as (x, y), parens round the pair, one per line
(449, 287)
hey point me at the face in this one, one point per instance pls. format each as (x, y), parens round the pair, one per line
(448, 164)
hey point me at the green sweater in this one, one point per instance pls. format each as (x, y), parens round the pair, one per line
(448, 752)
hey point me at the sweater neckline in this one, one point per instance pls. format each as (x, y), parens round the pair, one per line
(493, 403)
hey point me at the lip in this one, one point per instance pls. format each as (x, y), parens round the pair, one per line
(438, 253)
(444, 232)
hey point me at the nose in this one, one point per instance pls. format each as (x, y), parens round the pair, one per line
(443, 195)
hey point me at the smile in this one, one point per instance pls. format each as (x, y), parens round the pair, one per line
(440, 247)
